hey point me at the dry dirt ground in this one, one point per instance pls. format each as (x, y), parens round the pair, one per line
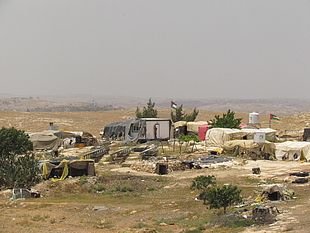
(155, 203)
(93, 122)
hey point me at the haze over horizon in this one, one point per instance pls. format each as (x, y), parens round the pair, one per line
(169, 49)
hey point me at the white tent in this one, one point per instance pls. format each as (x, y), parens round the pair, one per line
(270, 133)
(217, 136)
(293, 151)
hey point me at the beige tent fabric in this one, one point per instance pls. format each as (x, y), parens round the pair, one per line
(267, 147)
(217, 136)
(270, 133)
(193, 126)
(179, 124)
(45, 141)
(291, 150)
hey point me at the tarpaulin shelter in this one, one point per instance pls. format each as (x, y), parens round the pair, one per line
(291, 150)
(179, 127)
(192, 126)
(114, 130)
(63, 167)
(267, 147)
(61, 134)
(270, 134)
(184, 127)
(45, 141)
(217, 136)
(306, 134)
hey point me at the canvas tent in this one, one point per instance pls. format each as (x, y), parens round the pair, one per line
(217, 136)
(192, 126)
(291, 150)
(61, 134)
(266, 147)
(184, 127)
(63, 167)
(270, 134)
(45, 141)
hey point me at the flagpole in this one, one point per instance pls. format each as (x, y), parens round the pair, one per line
(270, 123)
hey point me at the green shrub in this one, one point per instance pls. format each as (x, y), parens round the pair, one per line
(202, 182)
(124, 188)
(225, 196)
(18, 166)
(100, 187)
(232, 221)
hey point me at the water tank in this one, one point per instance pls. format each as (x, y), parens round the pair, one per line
(254, 118)
(259, 137)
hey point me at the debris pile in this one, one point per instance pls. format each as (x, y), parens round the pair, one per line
(274, 193)
(265, 214)
(153, 166)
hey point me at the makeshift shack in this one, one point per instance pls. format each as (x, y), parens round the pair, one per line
(180, 127)
(115, 131)
(193, 126)
(306, 134)
(63, 167)
(147, 129)
(291, 150)
(45, 141)
(217, 136)
(249, 147)
(270, 134)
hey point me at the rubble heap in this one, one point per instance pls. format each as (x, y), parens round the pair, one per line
(150, 166)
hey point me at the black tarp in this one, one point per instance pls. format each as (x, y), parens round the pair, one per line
(114, 130)
(306, 134)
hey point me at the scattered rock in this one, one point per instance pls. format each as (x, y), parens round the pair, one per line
(99, 208)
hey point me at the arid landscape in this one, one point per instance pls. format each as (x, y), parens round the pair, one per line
(154, 203)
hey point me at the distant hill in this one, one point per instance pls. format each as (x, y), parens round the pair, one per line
(49, 103)
(30, 104)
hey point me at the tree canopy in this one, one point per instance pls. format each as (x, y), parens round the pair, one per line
(180, 115)
(225, 196)
(148, 112)
(228, 120)
(18, 167)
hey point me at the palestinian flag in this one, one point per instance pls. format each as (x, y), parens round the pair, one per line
(173, 105)
(274, 117)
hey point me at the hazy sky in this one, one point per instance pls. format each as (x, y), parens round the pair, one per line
(158, 48)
